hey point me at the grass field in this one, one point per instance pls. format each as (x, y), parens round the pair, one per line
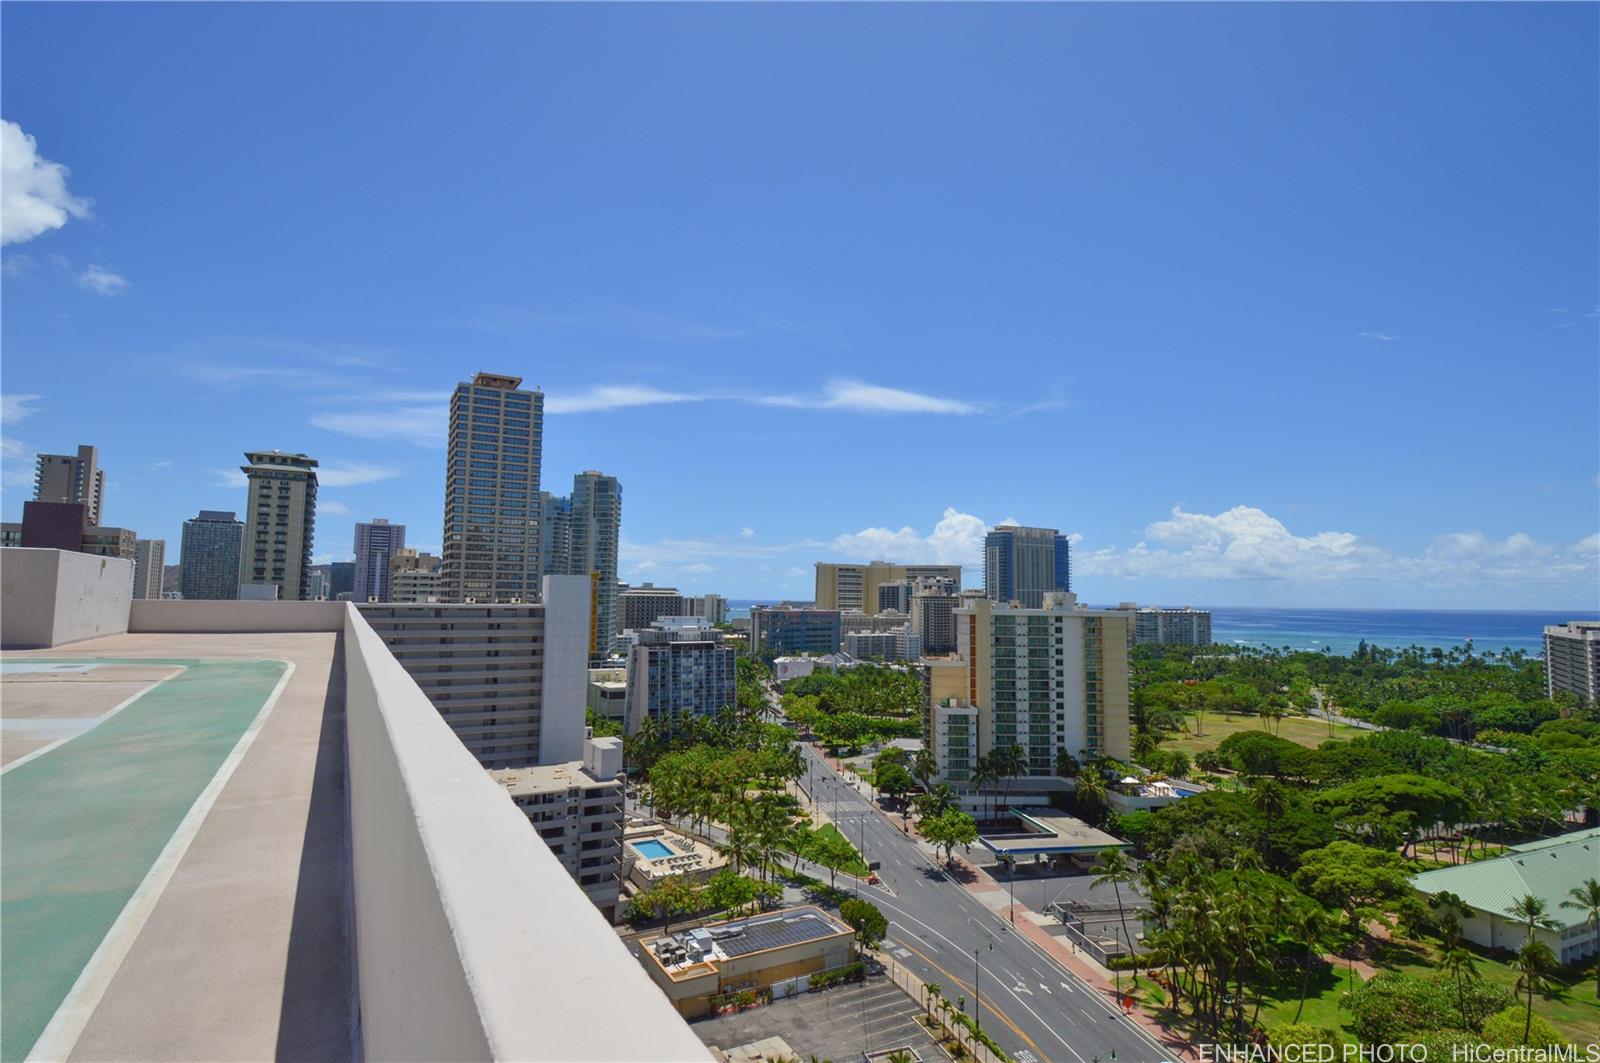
(1303, 729)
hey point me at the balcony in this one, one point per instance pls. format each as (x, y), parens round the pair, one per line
(239, 830)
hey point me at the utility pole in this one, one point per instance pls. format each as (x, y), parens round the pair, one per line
(977, 972)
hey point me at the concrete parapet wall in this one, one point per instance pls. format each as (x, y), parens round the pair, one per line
(150, 615)
(53, 597)
(472, 941)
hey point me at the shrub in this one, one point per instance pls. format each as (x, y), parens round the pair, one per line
(1393, 1006)
(1503, 1029)
(1301, 1033)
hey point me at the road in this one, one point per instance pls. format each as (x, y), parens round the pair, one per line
(1033, 1008)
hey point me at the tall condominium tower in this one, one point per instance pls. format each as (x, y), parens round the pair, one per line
(72, 478)
(491, 494)
(209, 567)
(555, 533)
(1572, 660)
(855, 587)
(596, 527)
(376, 545)
(280, 517)
(1022, 564)
(149, 564)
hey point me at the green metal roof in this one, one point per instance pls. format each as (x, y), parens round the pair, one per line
(1547, 869)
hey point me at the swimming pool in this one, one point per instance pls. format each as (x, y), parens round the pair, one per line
(651, 849)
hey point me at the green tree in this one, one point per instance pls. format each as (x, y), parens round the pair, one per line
(949, 829)
(1586, 899)
(728, 889)
(1534, 960)
(925, 766)
(870, 924)
(666, 900)
(1456, 958)
(1501, 1030)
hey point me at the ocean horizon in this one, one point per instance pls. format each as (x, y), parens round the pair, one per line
(1340, 631)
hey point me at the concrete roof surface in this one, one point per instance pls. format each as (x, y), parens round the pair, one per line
(193, 901)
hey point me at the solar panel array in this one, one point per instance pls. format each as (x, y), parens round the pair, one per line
(763, 934)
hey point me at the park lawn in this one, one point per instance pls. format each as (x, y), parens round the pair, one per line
(1303, 729)
(1324, 1001)
(1575, 1011)
(858, 867)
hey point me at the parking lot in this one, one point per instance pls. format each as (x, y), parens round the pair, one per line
(833, 1024)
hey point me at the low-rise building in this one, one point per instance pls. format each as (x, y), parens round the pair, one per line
(577, 808)
(608, 694)
(1548, 869)
(714, 607)
(867, 644)
(415, 577)
(1572, 659)
(778, 951)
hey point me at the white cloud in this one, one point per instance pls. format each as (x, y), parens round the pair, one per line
(33, 190)
(332, 505)
(747, 533)
(870, 398)
(102, 281)
(794, 571)
(423, 426)
(18, 264)
(699, 568)
(1380, 337)
(614, 397)
(230, 478)
(645, 567)
(1246, 543)
(351, 475)
(956, 540)
(14, 408)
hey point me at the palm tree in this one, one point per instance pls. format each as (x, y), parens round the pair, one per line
(982, 774)
(1271, 800)
(1009, 763)
(930, 993)
(924, 767)
(1458, 960)
(1311, 925)
(1113, 868)
(1091, 791)
(1534, 957)
(1586, 899)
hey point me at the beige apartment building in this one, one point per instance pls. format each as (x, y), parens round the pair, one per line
(72, 478)
(280, 519)
(577, 809)
(855, 587)
(415, 577)
(1052, 680)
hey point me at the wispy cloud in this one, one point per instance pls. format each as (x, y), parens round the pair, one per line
(698, 568)
(1376, 337)
(229, 478)
(856, 396)
(332, 505)
(102, 281)
(613, 320)
(747, 533)
(419, 425)
(16, 468)
(351, 475)
(614, 397)
(33, 190)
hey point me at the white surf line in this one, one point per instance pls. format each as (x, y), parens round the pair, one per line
(61, 1035)
(42, 750)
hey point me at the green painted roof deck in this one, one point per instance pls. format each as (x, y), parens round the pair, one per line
(155, 853)
(1546, 869)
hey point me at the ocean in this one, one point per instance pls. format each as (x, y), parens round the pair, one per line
(1340, 630)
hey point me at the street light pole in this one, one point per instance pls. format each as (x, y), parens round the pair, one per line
(977, 973)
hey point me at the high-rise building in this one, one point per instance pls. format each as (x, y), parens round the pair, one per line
(511, 680)
(149, 565)
(1572, 659)
(714, 607)
(414, 577)
(1023, 564)
(321, 580)
(280, 522)
(1052, 679)
(376, 545)
(1169, 627)
(491, 495)
(783, 631)
(71, 478)
(342, 580)
(856, 586)
(595, 519)
(640, 606)
(212, 543)
(555, 533)
(933, 608)
(678, 668)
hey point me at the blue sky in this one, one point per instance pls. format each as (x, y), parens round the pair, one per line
(1269, 304)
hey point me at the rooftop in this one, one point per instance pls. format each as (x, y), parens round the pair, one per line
(1045, 834)
(238, 830)
(1547, 869)
(716, 943)
(545, 778)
